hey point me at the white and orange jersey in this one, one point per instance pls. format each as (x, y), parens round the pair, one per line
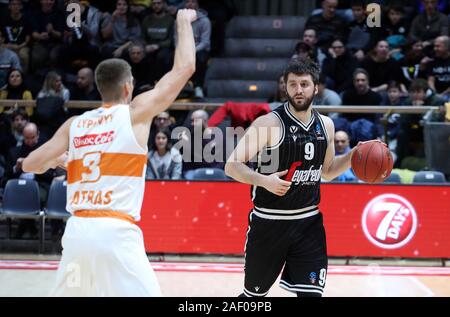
(106, 165)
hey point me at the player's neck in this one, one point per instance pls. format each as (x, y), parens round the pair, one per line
(303, 116)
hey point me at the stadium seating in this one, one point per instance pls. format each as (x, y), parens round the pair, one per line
(209, 174)
(429, 177)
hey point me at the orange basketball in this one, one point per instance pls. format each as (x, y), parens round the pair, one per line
(372, 162)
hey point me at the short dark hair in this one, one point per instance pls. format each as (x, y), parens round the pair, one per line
(21, 113)
(360, 71)
(110, 75)
(418, 84)
(302, 67)
(393, 84)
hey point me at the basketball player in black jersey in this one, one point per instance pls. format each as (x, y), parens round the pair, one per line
(295, 149)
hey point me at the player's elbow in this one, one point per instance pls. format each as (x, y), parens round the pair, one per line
(229, 169)
(27, 166)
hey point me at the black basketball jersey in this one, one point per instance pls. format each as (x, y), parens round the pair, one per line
(301, 150)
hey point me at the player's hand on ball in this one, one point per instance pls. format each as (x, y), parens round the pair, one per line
(276, 185)
(187, 14)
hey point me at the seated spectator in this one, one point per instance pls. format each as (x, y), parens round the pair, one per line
(325, 96)
(17, 32)
(279, 97)
(157, 30)
(414, 64)
(310, 38)
(53, 86)
(381, 67)
(395, 30)
(429, 24)
(360, 95)
(8, 61)
(410, 136)
(81, 43)
(11, 131)
(144, 74)
(394, 98)
(202, 34)
(121, 31)
(439, 68)
(47, 28)
(361, 36)
(164, 161)
(193, 156)
(327, 24)
(85, 88)
(15, 88)
(14, 170)
(341, 147)
(302, 51)
(338, 67)
(162, 121)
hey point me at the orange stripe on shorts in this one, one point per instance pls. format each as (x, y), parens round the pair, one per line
(111, 164)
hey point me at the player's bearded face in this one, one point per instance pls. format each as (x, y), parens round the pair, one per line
(300, 91)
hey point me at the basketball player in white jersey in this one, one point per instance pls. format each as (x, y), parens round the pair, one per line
(103, 248)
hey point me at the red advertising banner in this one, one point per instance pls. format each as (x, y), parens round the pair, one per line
(360, 220)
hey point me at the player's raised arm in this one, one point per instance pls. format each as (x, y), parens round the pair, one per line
(51, 154)
(257, 136)
(146, 105)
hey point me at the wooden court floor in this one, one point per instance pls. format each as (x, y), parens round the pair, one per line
(177, 279)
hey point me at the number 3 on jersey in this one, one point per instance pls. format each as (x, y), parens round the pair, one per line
(91, 162)
(309, 151)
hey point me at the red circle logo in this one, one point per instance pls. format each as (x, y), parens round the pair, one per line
(389, 221)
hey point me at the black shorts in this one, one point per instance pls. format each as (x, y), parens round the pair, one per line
(298, 245)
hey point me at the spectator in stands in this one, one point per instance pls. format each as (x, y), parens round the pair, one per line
(302, 51)
(14, 170)
(395, 30)
(164, 161)
(157, 30)
(410, 136)
(11, 132)
(341, 147)
(144, 73)
(194, 157)
(327, 24)
(85, 88)
(53, 86)
(19, 120)
(361, 36)
(414, 64)
(16, 90)
(121, 31)
(162, 121)
(17, 32)
(430, 24)
(280, 96)
(394, 98)
(360, 94)
(8, 61)
(381, 67)
(81, 43)
(439, 68)
(310, 38)
(47, 32)
(338, 67)
(202, 34)
(325, 96)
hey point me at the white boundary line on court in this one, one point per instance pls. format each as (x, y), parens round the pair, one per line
(239, 268)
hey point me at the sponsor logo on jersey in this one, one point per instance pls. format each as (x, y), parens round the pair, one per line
(389, 221)
(93, 139)
(319, 132)
(92, 123)
(312, 277)
(307, 177)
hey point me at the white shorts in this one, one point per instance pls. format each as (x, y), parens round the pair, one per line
(104, 257)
